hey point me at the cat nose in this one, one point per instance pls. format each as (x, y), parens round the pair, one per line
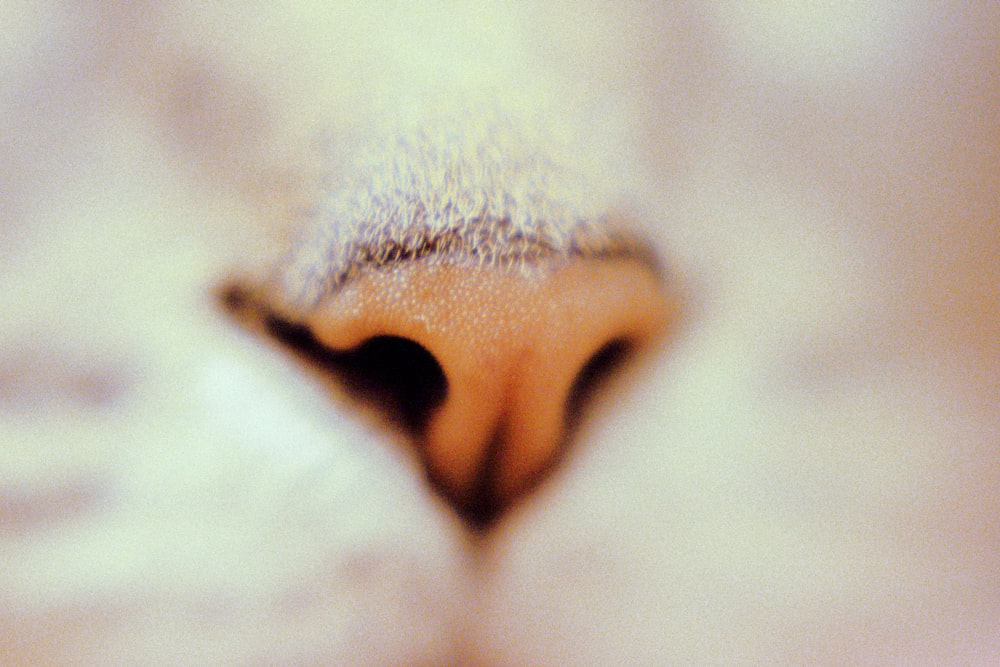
(515, 347)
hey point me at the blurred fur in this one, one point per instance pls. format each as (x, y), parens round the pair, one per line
(473, 187)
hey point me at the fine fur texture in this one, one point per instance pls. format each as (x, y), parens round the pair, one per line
(474, 188)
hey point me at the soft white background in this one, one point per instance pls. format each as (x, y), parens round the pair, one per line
(809, 473)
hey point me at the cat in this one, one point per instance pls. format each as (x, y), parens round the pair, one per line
(802, 468)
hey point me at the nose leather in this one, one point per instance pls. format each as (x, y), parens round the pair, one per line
(493, 249)
(511, 342)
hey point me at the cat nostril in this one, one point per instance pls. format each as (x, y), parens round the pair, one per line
(594, 373)
(397, 375)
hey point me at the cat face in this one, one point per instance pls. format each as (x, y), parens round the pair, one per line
(799, 466)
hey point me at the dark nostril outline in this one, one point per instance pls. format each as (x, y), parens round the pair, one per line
(404, 382)
(396, 376)
(393, 374)
(395, 371)
(601, 366)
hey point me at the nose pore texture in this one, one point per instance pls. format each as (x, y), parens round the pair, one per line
(511, 343)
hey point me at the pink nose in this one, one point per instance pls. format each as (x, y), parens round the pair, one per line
(483, 366)
(512, 346)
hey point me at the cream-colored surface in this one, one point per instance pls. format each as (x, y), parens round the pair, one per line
(809, 473)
